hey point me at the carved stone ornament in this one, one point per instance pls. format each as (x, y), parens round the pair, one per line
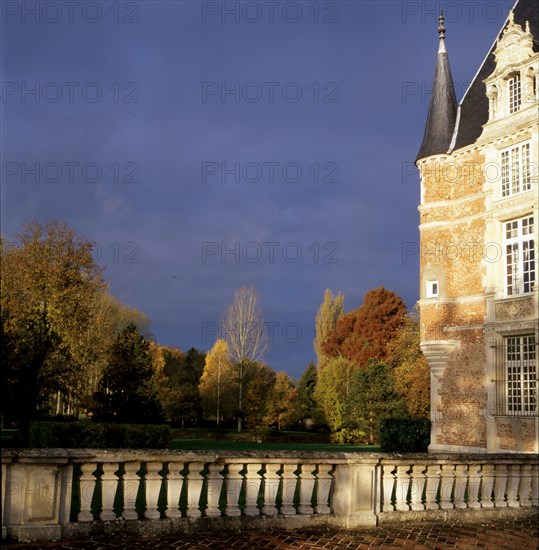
(513, 310)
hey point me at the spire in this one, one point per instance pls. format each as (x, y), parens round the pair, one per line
(443, 104)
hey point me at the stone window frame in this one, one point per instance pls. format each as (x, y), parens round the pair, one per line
(514, 95)
(515, 167)
(516, 375)
(519, 253)
(433, 289)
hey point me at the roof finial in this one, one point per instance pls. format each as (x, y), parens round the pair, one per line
(441, 31)
(441, 28)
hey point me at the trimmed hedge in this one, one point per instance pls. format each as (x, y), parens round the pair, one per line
(96, 435)
(404, 435)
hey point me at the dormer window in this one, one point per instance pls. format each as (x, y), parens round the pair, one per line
(515, 93)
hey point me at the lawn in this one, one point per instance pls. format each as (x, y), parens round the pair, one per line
(227, 445)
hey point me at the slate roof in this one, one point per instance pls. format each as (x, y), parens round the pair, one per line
(442, 111)
(448, 129)
(474, 105)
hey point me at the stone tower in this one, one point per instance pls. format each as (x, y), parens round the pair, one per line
(478, 166)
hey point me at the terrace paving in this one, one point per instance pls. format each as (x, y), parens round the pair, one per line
(514, 535)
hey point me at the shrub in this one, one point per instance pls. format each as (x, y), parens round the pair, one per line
(404, 435)
(96, 435)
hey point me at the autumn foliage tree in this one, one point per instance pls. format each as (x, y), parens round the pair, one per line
(49, 283)
(218, 385)
(331, 309)
(410, 368)
(363, 334)
(284, 409)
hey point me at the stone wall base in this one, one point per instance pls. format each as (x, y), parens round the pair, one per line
(462, 516)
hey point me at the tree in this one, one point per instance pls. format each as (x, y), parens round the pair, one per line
(258, 384)
(331, 309)
(331, 392)
(178, 385)
(126, 391)
(218, 386)
(49, 282)
(246, 336)
(372, 397)
(410, 368)
(363, 333)
(306, 395)
(283, 406)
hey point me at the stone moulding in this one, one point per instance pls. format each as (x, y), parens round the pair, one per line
(53, 494)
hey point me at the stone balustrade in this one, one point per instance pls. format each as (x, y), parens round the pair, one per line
(51, 494)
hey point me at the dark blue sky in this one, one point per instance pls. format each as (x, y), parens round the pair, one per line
(141, 116)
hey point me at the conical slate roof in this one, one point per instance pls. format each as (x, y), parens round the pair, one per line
(442, 107)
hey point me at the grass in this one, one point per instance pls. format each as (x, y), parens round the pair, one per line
(227, 445)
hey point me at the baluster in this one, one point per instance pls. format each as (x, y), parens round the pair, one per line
(109, 484)
(461, 480)
(403, 484)
(432, 484)
(418, 486)
(174, 489)
(500, 485)
(446, 488)
(525, 485)
(513, 479)
(215, 484)
(289, 489)
(487, 485)
(388, 482)
(195, 481)
(234, 481)
(252, 487)
(324, 481)
(271, 487)
(87, 485)
(153, 486)
(306, 487)
(535, 485)
(131, 484)
(474, 481)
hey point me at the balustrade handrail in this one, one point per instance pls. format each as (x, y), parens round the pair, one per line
(48, 492)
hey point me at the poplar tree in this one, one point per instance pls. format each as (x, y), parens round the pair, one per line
(331, 309)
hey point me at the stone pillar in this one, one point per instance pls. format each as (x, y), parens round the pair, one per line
(271, 487)
(487, 486)
(418, 486)
(307, 482)
(109, 484)
(289, 489)
(194, 488)
(215, 484)
(131, 484)
(324, 481)
(403, 484)
(252, 487)
(513, 481)
(461, 480)
(234, 481)
(153, 487)
(500, 484)
(353, 499)
(87, 485)
(388, 485)
(437, 354)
